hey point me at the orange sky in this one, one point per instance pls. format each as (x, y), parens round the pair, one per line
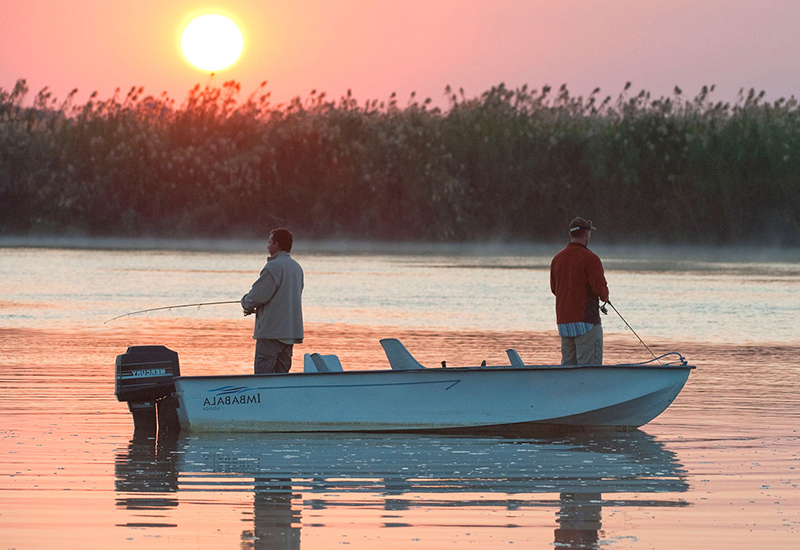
(375, 47)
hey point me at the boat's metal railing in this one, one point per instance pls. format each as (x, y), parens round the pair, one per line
(680, 360)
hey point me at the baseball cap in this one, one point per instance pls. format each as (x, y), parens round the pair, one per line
(580, 223)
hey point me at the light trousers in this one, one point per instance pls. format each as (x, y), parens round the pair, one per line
(586, 349)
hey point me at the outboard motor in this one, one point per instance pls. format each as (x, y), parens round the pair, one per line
(145, 378)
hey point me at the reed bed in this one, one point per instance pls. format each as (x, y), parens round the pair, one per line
(510, 165)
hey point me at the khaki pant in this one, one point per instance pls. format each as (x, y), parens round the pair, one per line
(586, 349)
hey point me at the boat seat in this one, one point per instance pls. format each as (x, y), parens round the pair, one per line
(314, 362)
(398, 356)
(513, 356)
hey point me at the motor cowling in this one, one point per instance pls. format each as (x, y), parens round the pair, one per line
(145, 375)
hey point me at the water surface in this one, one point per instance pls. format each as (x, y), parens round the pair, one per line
(719, 469)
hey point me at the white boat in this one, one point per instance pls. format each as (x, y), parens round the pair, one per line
(409, 397)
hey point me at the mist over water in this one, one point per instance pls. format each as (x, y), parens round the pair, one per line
(717, 469)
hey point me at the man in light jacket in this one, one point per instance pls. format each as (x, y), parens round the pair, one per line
(276, 299)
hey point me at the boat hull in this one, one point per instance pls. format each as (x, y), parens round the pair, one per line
(459, 400)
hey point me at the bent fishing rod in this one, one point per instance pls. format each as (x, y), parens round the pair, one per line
(604, 310)
(198, 306)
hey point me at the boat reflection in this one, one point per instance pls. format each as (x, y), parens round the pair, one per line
(146, 479)
(290, 474)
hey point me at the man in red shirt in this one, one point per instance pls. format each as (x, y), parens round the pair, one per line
(579, 283)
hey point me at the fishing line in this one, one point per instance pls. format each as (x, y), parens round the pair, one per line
(633, 331)
(171, 307)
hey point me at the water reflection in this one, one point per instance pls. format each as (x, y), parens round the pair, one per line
(276, 524)
(146, 480)
(289, 474)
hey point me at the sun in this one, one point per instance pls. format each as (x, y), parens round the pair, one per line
(212, 42)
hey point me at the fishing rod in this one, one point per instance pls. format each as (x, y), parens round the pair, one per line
(198, 306)
(603, 309)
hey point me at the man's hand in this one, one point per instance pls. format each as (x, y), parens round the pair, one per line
(248, 311)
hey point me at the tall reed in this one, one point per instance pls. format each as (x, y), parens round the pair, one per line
(510, 164)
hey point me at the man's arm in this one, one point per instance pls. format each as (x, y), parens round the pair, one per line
(261, 292)
(597, 280)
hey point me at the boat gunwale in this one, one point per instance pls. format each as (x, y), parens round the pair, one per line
(498, 368)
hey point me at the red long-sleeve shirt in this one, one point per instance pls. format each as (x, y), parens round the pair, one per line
(578, 281)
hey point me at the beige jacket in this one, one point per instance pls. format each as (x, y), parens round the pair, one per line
(277, 298)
